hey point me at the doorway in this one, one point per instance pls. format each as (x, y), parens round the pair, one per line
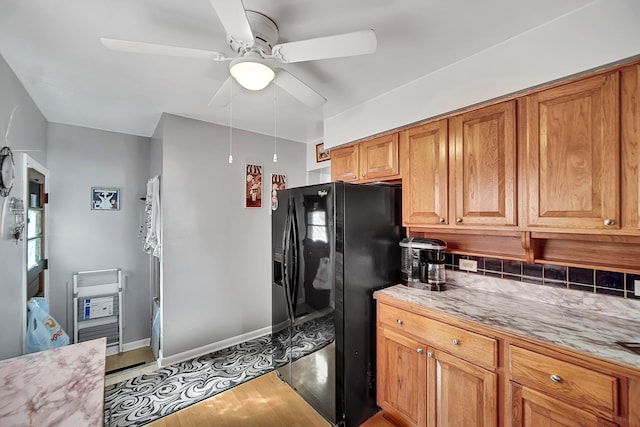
(35, 282)
(35, 236)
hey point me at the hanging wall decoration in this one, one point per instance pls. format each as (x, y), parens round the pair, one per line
(278, 182)
(322, 154)
(253, 186)
(105, 199)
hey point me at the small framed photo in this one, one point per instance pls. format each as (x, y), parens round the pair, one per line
(105, 199)
(322, 154)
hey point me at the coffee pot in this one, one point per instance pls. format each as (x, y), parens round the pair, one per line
(432, 266)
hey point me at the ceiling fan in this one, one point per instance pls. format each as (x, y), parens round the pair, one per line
(253, 37)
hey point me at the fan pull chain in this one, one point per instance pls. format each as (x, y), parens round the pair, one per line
(275, 127)
(231, 123)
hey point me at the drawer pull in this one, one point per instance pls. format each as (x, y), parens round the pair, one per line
(399, 321)
(555, 378)
(455, 341)
(609, 222)
(419, 350)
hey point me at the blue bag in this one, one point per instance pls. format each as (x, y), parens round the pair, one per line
(43, 332)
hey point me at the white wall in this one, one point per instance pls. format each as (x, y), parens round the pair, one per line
(28, 132)
(85, 239)
(604, 31)
(217, 268)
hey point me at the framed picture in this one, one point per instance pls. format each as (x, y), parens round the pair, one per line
(322, 154)
(278, 182)
(105, 199)
(253, 186)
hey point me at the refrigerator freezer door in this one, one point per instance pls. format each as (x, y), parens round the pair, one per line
(313, 376)
(281, 320)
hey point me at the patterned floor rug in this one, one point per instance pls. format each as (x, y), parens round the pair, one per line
(141, 400)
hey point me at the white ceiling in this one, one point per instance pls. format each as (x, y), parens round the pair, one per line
(54, 49)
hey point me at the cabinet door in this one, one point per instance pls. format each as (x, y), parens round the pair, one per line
(425, 177)
(483, 159)
(530, 408)
(344, 163)
(573, 154)
(402, 377)
(379, 157)
(460, 394)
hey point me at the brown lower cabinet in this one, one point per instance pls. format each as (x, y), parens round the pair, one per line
(440, 372)
(423, 377)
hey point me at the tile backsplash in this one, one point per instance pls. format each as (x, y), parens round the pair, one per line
(582, 279)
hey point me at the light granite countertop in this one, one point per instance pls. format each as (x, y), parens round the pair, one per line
(572, 319)
(60, 387)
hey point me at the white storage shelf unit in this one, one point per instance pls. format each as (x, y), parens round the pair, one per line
(98, 309)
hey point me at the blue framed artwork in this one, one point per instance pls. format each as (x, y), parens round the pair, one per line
(105, 199)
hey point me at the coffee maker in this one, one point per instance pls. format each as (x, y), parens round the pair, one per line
(432, 268)
(422, 263)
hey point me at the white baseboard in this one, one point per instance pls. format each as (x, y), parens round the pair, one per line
(210, 348)
(128, 346)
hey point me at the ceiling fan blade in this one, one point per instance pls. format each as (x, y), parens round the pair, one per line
(160, 49)
(349, 44)
(223, 96)
(298, 89)
(234, 20)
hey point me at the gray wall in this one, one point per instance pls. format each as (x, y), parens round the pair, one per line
(217, 272)
(83, 239)
(28, 132)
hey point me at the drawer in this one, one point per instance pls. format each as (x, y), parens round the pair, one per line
(461, 343)
(566, 381)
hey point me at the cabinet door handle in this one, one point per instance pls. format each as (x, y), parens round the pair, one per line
(364, 174)
(441, 220)
(458, 220)
(455, 341)
(429, 354)
(555, 378)
(399, 321)
(353, 176)
(419, 350)
(609, 222)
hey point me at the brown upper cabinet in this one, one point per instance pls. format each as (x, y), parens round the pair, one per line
(462, 171)
(483, 166)
(372, 160)
(425, 178)
(572, 150)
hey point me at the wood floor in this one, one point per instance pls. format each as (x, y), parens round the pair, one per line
(263, 402)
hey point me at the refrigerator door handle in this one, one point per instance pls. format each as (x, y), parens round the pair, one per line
(287, 264)
(294, 246)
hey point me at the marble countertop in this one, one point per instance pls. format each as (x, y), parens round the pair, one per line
(60, 387)
(583, 329)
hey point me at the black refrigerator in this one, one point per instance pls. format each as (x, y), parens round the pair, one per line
(333, 245)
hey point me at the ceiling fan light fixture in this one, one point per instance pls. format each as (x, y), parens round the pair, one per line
(251, 72)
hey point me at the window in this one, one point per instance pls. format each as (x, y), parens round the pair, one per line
(34, 237)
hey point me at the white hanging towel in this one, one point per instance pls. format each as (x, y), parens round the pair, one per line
(152, 235)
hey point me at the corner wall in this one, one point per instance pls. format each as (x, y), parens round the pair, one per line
(216, 253)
